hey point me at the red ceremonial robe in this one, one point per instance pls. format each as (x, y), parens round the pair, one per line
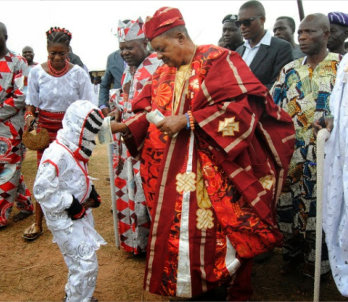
(237, 155)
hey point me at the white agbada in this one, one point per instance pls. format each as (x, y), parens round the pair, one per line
(62, 174)
(335, 200)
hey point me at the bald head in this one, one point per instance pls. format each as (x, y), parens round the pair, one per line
(313, 34)
(321, 20)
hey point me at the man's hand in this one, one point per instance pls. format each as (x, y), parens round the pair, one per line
(172, 124)
(322, 123)
(118, 127)
(116, 114)
(106, 111)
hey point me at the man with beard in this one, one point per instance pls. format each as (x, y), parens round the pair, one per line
(338, 32)
(264, 54)
(284, 28)
(230, 32)
(303, 90)
(133, 216)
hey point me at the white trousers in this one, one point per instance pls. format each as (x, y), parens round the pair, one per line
(79, 244)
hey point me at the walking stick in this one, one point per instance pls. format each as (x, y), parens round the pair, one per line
(113, 196)
(323, 135)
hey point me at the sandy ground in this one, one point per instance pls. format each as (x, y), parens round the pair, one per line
(35, 271)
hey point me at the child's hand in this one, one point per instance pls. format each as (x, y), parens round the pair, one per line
(90, 203)
(93, 200)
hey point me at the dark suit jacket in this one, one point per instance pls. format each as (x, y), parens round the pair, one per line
(112, 76)
(269, 60)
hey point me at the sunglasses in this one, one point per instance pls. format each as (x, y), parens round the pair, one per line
(246, 22)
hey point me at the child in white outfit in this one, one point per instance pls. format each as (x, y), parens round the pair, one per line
(66, 195)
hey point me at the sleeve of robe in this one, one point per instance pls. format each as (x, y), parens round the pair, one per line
(47, 191)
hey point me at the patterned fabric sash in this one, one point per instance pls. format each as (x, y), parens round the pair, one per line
(52, 121)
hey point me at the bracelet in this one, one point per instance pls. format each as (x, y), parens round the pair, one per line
(27, 114)
(188, 121)
(192, 121)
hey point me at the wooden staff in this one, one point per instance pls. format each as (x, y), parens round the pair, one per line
(323, 136)
(300, 9)
(113, 196)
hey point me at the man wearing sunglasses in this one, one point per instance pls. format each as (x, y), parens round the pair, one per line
(264, 54)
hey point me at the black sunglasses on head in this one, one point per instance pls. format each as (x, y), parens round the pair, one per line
(246, 22)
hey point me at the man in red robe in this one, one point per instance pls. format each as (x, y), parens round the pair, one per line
(212, 168)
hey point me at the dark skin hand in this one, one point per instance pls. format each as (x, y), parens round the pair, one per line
(323, 123)
(116, 114)
(172, 124)
(30, 119)
(105, 111)
(88, 203)
(118, 127)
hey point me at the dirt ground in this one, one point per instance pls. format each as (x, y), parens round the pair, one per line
(35, 271)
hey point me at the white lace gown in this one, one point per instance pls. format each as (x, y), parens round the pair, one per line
(55, 94)
(335, 201)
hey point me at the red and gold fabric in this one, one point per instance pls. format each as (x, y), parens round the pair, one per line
(211, 191)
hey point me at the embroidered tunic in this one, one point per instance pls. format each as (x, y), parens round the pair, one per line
(304, 93)
(211, 191)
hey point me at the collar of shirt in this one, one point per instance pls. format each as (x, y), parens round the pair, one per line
(250, 52)
(266, 40)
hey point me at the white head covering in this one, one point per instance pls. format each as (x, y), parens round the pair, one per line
(132, 30)
(81, 123)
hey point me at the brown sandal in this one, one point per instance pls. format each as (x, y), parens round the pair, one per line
(32, 232)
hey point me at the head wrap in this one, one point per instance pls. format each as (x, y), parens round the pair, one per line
(338, 18)
(163, 20)
(230, 18)
(131, 30)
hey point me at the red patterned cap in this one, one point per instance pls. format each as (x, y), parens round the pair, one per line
(163, 20)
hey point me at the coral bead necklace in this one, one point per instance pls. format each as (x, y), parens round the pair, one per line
(55, 72)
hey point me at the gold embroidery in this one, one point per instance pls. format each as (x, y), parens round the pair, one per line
(228, 126)
(267, 182)
(204, 219)
(203, 200)
(185, 182)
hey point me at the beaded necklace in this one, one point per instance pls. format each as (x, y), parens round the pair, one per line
(58, 73)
